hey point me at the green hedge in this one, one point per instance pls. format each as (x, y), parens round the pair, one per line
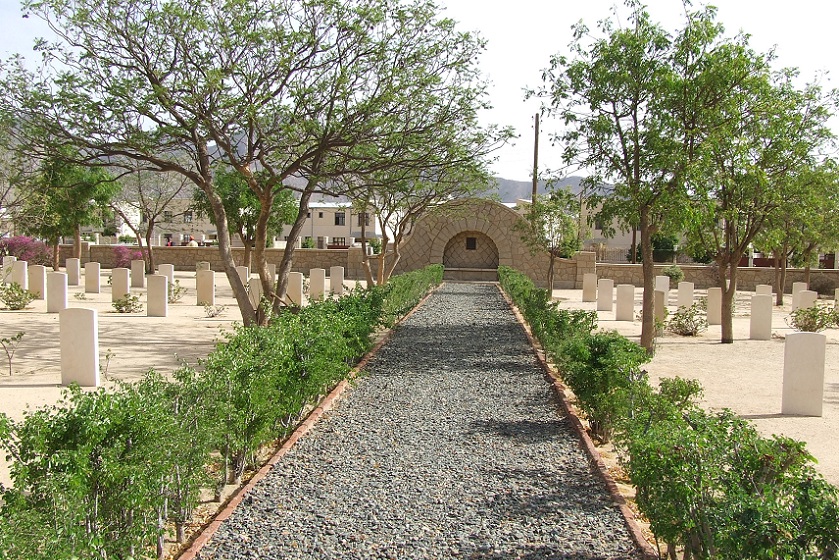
(104, 473)
(709, 484)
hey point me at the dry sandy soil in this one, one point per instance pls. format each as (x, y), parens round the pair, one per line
(745, 376)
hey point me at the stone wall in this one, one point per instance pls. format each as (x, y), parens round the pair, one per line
(705, 276)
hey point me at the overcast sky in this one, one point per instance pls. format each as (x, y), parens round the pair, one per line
(523, 34)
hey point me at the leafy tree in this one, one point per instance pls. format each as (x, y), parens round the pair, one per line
(65, 196)
(243, 207)
(552, 224)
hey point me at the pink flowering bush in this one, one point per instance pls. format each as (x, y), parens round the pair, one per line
(124, 255)
(26, 249)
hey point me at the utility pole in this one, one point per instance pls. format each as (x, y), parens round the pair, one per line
(536, 160)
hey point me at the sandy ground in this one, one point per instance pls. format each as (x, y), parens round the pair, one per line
(745, 376)
(129, 344)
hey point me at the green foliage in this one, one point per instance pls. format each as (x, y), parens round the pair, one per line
(814, 318)
(375, 245)
(688, 321)
(15, 297)
(664, 249)
(403, 292)
(675, 274)
(128, 304)
(10, 345)
(176, 292)
(212, 310)
(551, 224)
(307, 243)
(823, 285)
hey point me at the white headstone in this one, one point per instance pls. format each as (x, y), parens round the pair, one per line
(660, 305)
(685, 294)
(74, 271)
(662, 283)
(589, 287)
(760, 322)
(605, 294)
(79, 333)
(807, 298)
(294, 292)
(625, 309)
(715, 306)
(20, 274)
(38, 280)
(92, 283)
(56, 292)
(205, 287)
(167, 270)
(158, 296)
(317, 283)
(336, 280)
(120, 283)
(797, 288)
(244, 275)
(803, 389)
(6, 271)
(763, 289)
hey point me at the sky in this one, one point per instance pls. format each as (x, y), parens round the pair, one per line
(522, 36)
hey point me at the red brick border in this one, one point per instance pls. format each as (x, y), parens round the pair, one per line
(647, 550)
(325, 405)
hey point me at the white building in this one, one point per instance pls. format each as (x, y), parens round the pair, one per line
(334, 225)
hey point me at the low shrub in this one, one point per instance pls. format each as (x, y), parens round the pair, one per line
(124, 255)
(176, 292)
(675, 274)
(26, 249)
(814, 318)
(403, 292)
(688, 321)
(823, 285)
(15, 297)
(128, 304)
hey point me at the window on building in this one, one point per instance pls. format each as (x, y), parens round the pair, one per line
(167, 216)
(598, 224)
(320, 214)
(308, 214)
(340, 218)
(339, 241)
(471, 243)
(187, 217)
(365, 218)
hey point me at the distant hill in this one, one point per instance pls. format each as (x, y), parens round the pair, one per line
(508, 190)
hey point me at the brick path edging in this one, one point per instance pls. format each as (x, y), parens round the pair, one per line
(324, 406)
(648, 552)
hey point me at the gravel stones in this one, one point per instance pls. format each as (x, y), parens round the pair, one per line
(450, 446)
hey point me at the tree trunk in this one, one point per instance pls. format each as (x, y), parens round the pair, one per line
(288, 254)
(380, 274)
(248, 245)
(551, 262)
(55, 256)
(729, 289)
(77, 242)
(365, 261)
(634, 256)
(148, 253)
(782, 278)
(647, 299)
(779, 294)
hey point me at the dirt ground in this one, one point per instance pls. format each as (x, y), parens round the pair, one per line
(745, 376)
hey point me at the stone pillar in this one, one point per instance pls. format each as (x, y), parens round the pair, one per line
(803, 390)
(763, 289)
(120, 283)
(715, 306)
(659, 304)
(590, 287)
(760, 323)
(74, 271)
(6, 272)
(56, 292)
(92, 284)
(167, 270)
(79, 333)
(605, 294)
(244, 275)
(625, 309)
(807, 298)
(205, 287)
(797, 288)
(685, 295)
(20, 274)
(157, 296)
(138, 274)
(38, 280)
(317, 283)
(336, 280)
(294, 292)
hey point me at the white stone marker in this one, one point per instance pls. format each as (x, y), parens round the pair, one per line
(244, 275)
(807, 298)
(294, 291)
(662, 283)
(138, 273)
(38, 280)
(797, 288)
(20, 274)
(764, 289)
(715, 306)
(205, 287)
(74, 271)
(685, 294)
(56, 291)
(589, 287)
(6, 272)
(167, 270)
(272, 272)
(201, 265)
(92, 283)
(605, 294)
(317, 283)
(336, 280)
(625, 308)
(760, 323)
(255, 291)
(659, 305)
(803, 390)
(79, 332)
(157, 296)
(120, 283)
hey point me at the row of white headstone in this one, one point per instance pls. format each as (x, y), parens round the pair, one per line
(804, 352)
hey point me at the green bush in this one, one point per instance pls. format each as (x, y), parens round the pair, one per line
(176, 292)
(675, 274)
(15, 297)
(128, 304)
(823, 285)
(403, 292)
(688, 321)
(814, 318)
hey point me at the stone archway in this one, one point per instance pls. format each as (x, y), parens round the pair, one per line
(471, 255)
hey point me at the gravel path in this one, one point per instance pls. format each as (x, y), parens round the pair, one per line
(451, 447)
